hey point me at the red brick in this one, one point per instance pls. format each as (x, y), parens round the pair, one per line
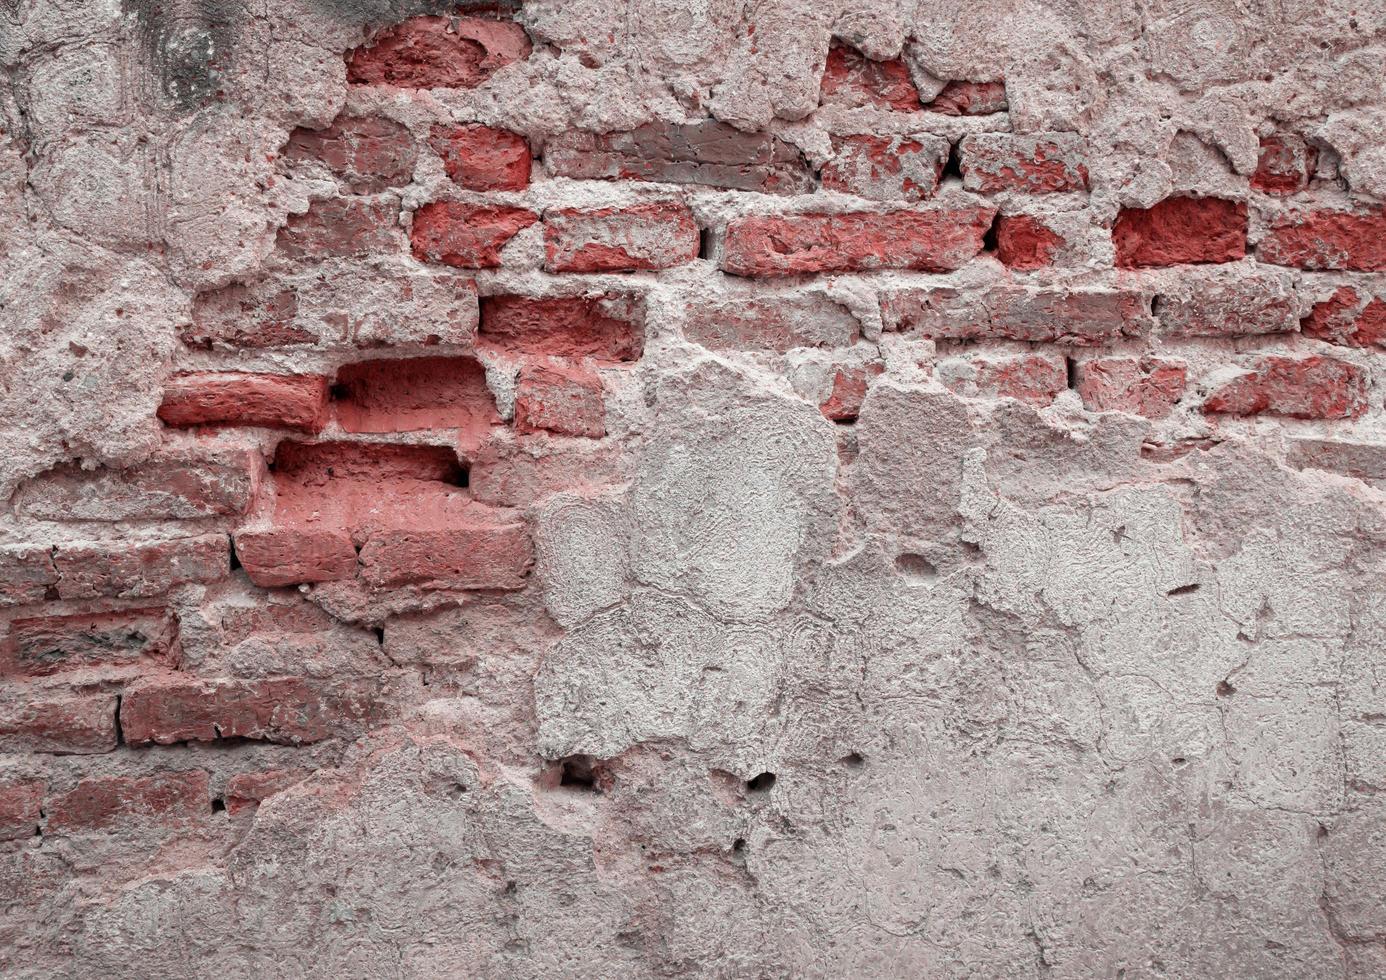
(963, 98)
(567, 400)
(1216, 306)
(1299, 387)
(850, 385)
(756, 320)
(1032, 378)
(938, 240)
(438, 52)
(468, 236)
(173, 484)
(607, 326)
(1286, 164)
(886, 168)
(1327, 239)
(166, 800)
(1032, 163)
(1080, 315)
(405, 395)
(130, 570)
(274, 401)
(1148, 386)
(21, 806)
(247, 790)
(658, 235)
(481, 158)
(517, 473)
(1349, 319)
(26, 574)
(368, 153)
(341, 227)
(61, 720)
(1025, 243)
(287, 710)
(280, 556)
(488, 549)
(851, 78)
(708, 153)
(125, 638)
(1180, 230)
(259, 315)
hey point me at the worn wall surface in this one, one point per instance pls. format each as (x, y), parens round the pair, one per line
(692, 488)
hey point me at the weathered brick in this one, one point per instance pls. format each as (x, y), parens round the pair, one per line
(247, 790)
(338, 227)
(408, 394)
(280, 556)
(1362, 460)
(1025, 243)
(886, 168)
(1349, 318)
(1080, 315)
(1148, 386)
(563, 399)
(467, 236)
(1032, 378)
(707, 153)
(26, 574)
(166, 800)
(658, 235)
(936, 240)
(849, 388)
(851, 78)
(606, 326)
(738, 319)
(131, 570)
(368, 153)
(173, 484)
(1180, 230)
(1214, 305)
(1299, 387)
(487, 549)
(21, 807)
(482, 158)
(274, 401)
(518, 473)
(964, 98)
(1327, 239)
(1029, 163)
(1285, 165)
(59, 720)
(438, 52)
(262, 314)
(120, 639)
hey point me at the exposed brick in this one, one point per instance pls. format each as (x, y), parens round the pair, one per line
(26, 574)
(342, 226)
(851, 78)
(1148, 386)
(658, 235)
(563, 399)
(438, 52)
(59, 720)
(1286, 164)
(280, 556)
(403, 395)
(886, 168)
(368, 153)
(287, 710)
(1032, 378)
(608, 326)
(1348, 318)
(247, 790)
(1180, 230)
(964, 98)
(850, 385)
(487, 549)
(1327, 239)
(173, 484)
(1299, 387)
(121, 639)
(1364, 461)
(1025, 243)
(468, 236)
(167, 800)
(130, 570)
(709, 153)
(21, 807)
(482, 158)
(517, 473)
(937, 240)
(1081, 315)
(275, 401)
(1030, 163)
(753, 320)
(1217, 306)
(240, 315)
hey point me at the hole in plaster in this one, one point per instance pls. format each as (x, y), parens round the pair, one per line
(1183, 589)
(579, 772)
(235, 561)
(1071, 372)
(704, 243)
(1225, 689)
(989, 239)
(760, 783)
(739, 845)
(218, 804)
(915, 567)
(853, 760)
(952, 167)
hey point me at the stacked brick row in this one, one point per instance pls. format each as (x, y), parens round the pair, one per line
(431, 355)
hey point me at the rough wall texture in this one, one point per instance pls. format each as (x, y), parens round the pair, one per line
(728, 488)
